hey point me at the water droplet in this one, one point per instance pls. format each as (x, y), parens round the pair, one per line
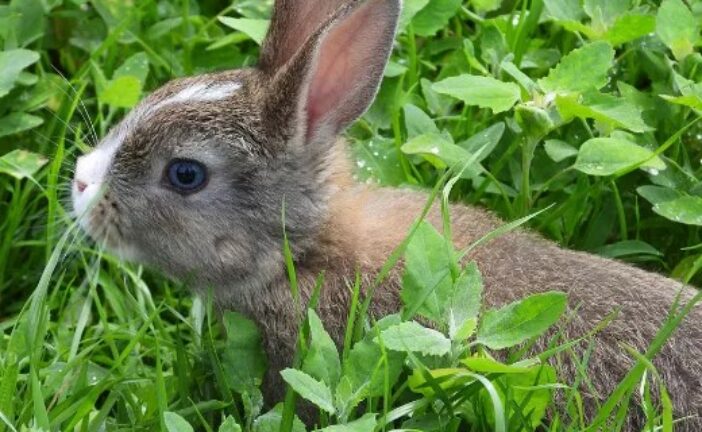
(549, 98)
(435, 150)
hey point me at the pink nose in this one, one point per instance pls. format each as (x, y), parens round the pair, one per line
(81, 186)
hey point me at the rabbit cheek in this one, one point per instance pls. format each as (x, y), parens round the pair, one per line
(233, 254)
(245, 265)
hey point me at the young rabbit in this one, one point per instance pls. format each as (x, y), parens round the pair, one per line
(193, 182)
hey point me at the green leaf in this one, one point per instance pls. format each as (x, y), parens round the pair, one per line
(486, 5)
(692, 101)
(394, 69)
(270, 421)
(426, 282)
(437, 104)
(658, 194)
(347, 397)
(417, 122)
(30, 21)
(608, 156)
(164, 27)
(522, 320)
(256, 29)
(485, 92)
(484, 141)
(559, 150)
(21, 164)
(412, 337)
(12, 62)
(410, 8)
(530, 395)
(678, 28)
(690, 90)
(17, 122)
(243, 358)
(365, 368)
(464, 302)
(536, 122)
(486, 365)
(564, 10)
(309, 388)
(442, 153)
(687, 87)
(494, 47)
(367, 423)
(377, 161)
(135, 66)
(229, 425)
(434, 16)
(418, 382)
(629, 27)
(686, 209)
(520, 77)
(604, 12)
(609, 110)
(322, 359)
(627, 248)
(122, 92)
(583, 69)
(176, 423)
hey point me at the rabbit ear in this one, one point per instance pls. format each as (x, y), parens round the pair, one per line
(334, 75)
(293, 22)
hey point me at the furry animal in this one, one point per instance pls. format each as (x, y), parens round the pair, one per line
(193, 181)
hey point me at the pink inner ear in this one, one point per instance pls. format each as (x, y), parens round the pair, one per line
(345, 60)
(297, 20)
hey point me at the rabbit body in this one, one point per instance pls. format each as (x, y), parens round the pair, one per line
(365, 224)
(195, 179)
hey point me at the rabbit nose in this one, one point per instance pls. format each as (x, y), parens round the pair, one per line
(81, 186)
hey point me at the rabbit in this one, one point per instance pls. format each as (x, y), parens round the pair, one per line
(193, 182)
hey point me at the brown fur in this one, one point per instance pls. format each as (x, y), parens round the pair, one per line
(367, 223)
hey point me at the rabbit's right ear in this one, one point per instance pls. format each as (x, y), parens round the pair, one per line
(293, 22)
(324, 61)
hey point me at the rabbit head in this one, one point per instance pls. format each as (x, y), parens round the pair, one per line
(194, 180)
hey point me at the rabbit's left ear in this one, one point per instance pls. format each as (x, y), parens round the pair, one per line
(333, 77)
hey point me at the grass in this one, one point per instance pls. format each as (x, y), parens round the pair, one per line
(91, 343)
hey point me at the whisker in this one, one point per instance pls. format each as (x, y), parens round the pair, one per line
(62, 121)
(82, 110)
(48, 139)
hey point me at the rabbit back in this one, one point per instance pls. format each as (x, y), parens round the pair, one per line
(368, 223)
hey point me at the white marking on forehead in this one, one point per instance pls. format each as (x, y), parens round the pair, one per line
(200, 92)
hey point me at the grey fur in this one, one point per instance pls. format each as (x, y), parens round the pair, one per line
(261, 153)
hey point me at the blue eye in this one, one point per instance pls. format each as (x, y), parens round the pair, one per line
(186, 176)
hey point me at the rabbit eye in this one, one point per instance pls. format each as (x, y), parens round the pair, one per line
(186, 176)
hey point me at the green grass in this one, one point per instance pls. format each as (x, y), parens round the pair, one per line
(90, 343)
